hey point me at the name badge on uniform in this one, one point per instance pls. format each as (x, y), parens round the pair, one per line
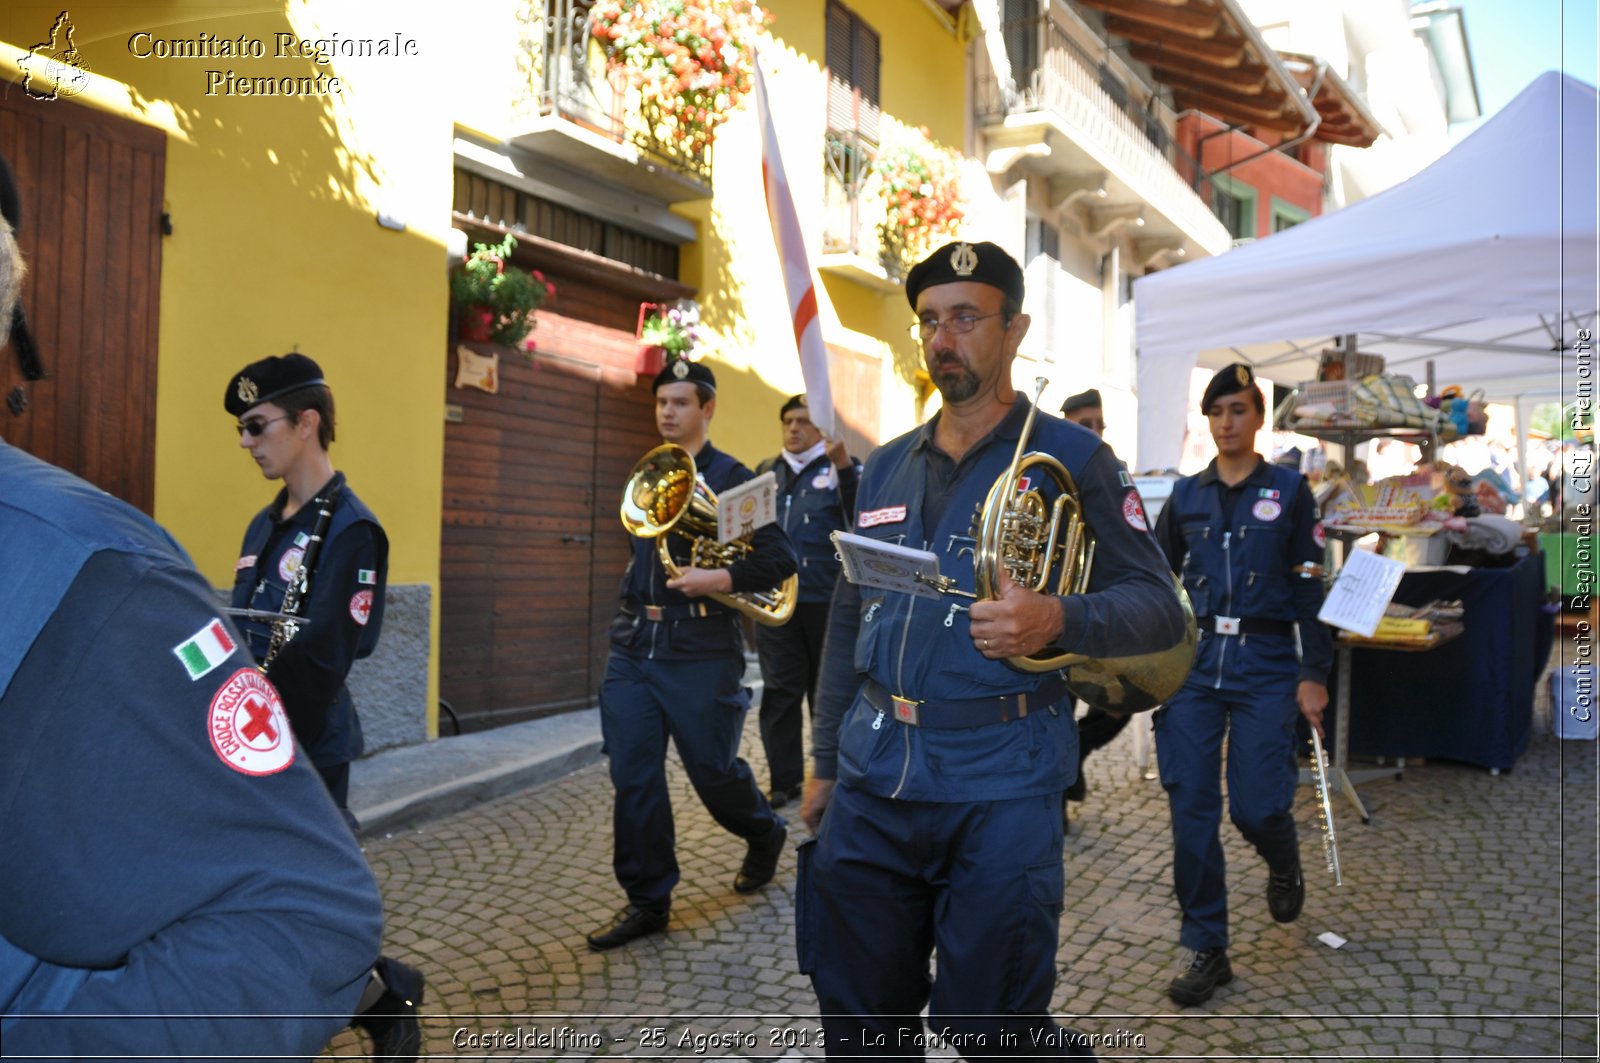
(247, 561)
(871, 518)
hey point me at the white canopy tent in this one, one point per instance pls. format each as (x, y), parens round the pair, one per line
(1484, 263)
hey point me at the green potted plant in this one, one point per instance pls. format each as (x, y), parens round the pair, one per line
(666, 333)
(496, 302)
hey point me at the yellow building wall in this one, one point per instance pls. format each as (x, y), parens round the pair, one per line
(735, 266)
(276, 246)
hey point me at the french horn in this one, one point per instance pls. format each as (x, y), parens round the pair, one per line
(1034, 540)
(663, 497)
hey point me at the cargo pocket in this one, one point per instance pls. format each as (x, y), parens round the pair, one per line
(805, 948)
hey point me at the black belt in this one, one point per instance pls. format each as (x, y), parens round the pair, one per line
(1244, 625)
(955, 713)
(658, 613)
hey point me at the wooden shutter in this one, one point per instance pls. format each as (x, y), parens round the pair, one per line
(853, 62)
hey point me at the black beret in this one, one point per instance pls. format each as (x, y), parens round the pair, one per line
(1236, 377)
(1081, 400)
(796, 402)
(985, 263)
(268, 379)
(683, 371)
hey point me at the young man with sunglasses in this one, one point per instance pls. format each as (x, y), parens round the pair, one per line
(319, 553)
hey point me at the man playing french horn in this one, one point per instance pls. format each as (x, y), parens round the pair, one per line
(677, 665)
(939, 764)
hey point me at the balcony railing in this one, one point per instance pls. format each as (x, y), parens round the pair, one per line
(847, 163)
(568, 78)
(1052, 72)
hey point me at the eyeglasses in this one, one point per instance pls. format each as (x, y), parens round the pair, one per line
(255, 428)
(960, 324)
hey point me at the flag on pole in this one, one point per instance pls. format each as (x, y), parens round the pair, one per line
(797, 277)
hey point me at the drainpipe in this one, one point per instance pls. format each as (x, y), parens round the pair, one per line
(1311, 130)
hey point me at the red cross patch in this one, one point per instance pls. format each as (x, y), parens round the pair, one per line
(361, 607)
(248, 727)
(1133, 512)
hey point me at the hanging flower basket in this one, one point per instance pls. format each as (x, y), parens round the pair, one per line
(496, 302)
(919, 183)
(666, 332)
(690, 60)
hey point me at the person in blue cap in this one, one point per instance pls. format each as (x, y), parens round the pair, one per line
(1244, 536)
(677, 669)
(938, 769)
(174, 881)
(816, 485)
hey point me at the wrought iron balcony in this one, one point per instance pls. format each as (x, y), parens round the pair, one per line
(583, 112)
(851, 244)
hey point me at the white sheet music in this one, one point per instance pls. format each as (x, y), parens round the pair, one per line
(1362, 592)
(871, 562)
(743, 509)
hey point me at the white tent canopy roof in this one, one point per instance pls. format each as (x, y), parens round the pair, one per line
(1484, 263)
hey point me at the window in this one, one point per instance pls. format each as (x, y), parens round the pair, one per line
(853, 61)
(1287, 215)
(1234, 204)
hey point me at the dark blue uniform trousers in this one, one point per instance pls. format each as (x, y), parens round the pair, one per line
(1262, 776)
(886, 882)
(791, 657)
(701, 705)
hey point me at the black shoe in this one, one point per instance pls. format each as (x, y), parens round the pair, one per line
(1208, 969)
(1286, 893)
(761, 860)
(392, 1021)
(632, 922)
(1079, 788)
(778, 797)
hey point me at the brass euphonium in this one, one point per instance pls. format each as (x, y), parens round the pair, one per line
(665, 495)
(1034, 540)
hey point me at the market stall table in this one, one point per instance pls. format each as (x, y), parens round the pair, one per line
(1470, 700)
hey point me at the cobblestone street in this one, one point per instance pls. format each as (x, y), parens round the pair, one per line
(1468, 904)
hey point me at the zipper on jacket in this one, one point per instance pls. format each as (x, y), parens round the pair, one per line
(1227, 566)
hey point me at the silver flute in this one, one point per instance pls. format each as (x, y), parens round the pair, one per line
(1330, 841)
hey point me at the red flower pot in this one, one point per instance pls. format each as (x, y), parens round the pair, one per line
(649, 360)
(477, 324)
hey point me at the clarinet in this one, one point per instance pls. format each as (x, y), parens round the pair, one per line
(294, 599)
(1330, 843)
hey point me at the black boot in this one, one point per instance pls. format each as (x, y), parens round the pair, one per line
(761, 860)
(392, 1021)
(1207, 969)
(1286, 892)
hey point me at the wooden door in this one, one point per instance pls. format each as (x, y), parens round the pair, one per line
(92, 187)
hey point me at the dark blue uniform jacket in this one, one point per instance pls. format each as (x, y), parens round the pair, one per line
(1242, 565)
(811, 507)
(345, 610)
(141, 871)
(695, 628)
(922, 649)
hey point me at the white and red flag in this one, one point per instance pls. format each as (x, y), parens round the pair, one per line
(798, 280)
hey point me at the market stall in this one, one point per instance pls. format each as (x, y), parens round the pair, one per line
(1479, 271)
(1483, 263)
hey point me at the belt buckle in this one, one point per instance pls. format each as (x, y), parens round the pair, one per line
(905, 709)
(653, 612)
(1227, 625)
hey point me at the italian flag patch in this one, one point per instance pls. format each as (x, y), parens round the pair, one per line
(205, 649)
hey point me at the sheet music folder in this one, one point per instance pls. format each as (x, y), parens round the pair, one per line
(888, 566)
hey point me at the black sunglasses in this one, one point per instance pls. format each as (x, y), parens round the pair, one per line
(255, 428)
